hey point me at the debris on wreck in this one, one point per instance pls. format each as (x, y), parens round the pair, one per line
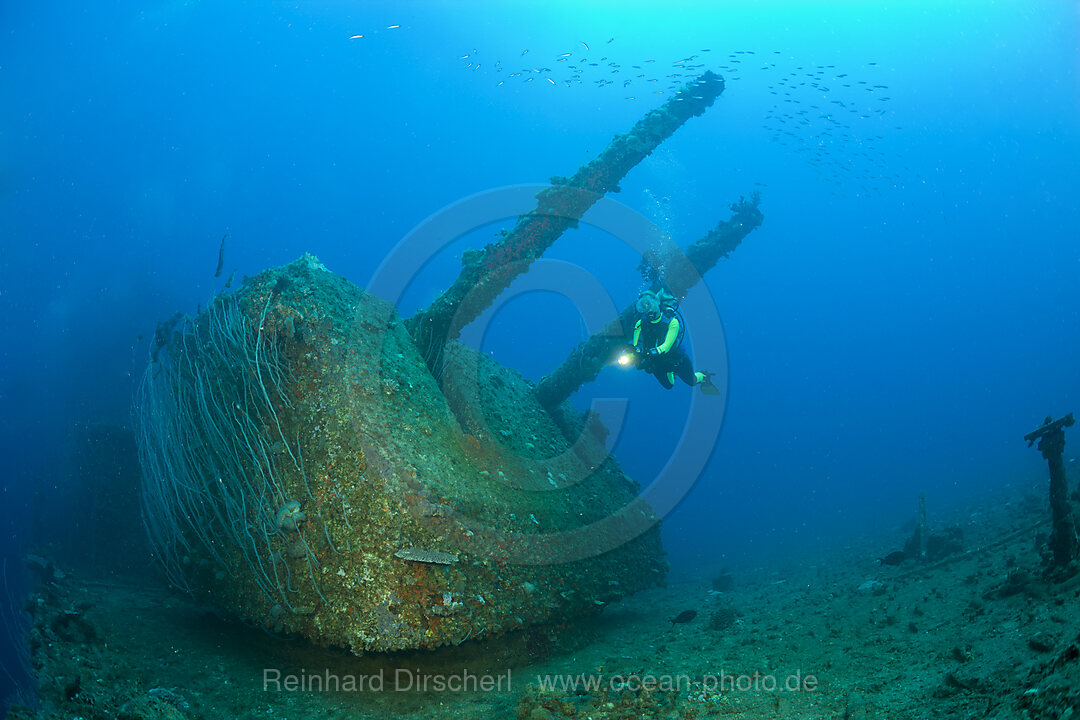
(924, 545)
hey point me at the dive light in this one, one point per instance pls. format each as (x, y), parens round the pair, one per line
(627, 357)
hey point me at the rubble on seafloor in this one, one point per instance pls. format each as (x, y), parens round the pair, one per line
(983, 633)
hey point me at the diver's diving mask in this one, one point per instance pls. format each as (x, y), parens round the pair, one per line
(648, 306)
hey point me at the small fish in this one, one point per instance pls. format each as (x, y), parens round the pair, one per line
(565, 55)
(525, 51)
(355, 37)
(894, 558)
(586, 46)
(392, 27)
(684, 617)
(221, 256)
(551, 81)
(609, 41)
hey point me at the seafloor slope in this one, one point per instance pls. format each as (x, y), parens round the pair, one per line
(979, 634)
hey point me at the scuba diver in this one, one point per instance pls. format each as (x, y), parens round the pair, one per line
(658, 335)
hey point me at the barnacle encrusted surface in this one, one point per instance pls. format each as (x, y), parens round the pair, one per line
(424, 511)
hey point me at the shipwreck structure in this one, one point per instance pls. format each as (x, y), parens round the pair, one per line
(310, 463)
(1064, 544)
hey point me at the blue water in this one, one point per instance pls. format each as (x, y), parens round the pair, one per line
(907, 311)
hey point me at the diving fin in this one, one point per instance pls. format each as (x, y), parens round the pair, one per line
(708, 387)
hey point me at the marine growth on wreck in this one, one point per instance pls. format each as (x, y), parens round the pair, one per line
(304, 470)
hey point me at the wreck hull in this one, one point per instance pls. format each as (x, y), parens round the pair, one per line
(362, 502)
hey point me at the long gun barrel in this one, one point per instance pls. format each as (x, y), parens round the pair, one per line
(485, 274)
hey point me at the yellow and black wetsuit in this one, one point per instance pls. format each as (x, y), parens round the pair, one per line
(663, 356)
